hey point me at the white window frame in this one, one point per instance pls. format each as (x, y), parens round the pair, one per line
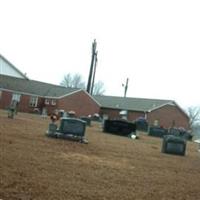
(47, 102)
(16, 97)
(53, 102)
(33, 101)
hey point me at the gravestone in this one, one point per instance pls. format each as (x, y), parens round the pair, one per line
(174, 131)
(181, 132)
(11, 113)
(70, 128)
(174, 145)
(157, 131)
(44, 113)
(12, 110)
(119, 127)
(87, 120)
(52, 129)
(71, 114)
(96, 117)
(61, 113)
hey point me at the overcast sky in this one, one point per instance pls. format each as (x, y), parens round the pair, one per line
(156, 44)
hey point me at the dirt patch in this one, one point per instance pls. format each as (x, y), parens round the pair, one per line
(33, 166)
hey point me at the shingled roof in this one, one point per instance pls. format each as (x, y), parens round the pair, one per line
(134, 104)
(32, 87)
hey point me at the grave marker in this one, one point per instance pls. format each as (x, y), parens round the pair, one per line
(70, 128)
(119, 127)
(12, 110)
(174, 145)
(52, 129)
(157, 131)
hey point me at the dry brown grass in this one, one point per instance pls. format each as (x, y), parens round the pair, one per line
(33, 166)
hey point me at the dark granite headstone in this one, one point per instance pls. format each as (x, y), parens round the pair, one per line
(72, 126)
(157, 131)
(119, 127)
(174, 145)
(180, 132)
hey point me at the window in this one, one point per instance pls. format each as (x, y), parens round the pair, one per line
(46, 101)
(156, 122)
(53, 102)
(16, 97)
(33, 101)
(0, 94)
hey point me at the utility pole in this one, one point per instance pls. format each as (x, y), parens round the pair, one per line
(125, 87)
(91, 73)
(94, 73)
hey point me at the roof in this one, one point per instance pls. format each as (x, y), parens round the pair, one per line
(14, 68)
(32, 87)
(134, 104)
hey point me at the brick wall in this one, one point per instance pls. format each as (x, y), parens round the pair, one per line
(167, 115)
(23, 105)
(114, 114)
(83, 104)
(79, 102)
(111, 113)
(133, 115)
(5, 99)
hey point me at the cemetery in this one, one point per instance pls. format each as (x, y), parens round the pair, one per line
(33, 166)
(161, 132)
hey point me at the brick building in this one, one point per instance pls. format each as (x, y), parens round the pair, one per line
(34, 96)
(166, 113)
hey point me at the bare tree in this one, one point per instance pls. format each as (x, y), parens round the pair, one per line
(99, 88)
(73, 81)
(194, 115)
(76, 81)
(66, 80)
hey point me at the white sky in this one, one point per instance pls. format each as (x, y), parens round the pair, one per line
(156, 44)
